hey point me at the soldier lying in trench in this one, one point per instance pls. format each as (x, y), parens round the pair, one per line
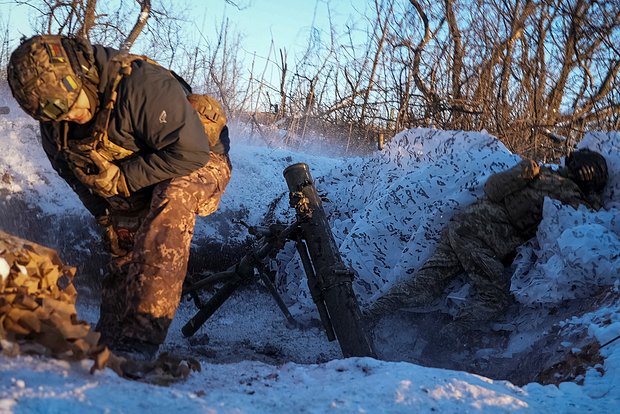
(482, 239)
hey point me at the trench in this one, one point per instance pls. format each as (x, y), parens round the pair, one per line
(528, 345)
(524, 346)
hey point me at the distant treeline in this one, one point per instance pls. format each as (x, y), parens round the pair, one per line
(535, 73)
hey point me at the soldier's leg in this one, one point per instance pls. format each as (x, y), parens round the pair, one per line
(427, 284)
(112, 309)
(483, 261)
(483, 239)
(153, 283)
(120, 228)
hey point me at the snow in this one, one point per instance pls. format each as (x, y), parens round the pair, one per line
(386, 210)
(582, 250)
(360, 385)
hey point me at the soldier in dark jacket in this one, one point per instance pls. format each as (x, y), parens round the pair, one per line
(122, 132)
(483, 238)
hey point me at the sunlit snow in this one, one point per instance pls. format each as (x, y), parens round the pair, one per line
(386, 210)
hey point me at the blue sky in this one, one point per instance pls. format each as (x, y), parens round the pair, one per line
(288, 22)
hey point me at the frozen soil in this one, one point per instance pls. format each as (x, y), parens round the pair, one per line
(526, 345)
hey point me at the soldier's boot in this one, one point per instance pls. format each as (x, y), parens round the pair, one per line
(473, 322)
(491, 298)
(164, 370)
(134, 349)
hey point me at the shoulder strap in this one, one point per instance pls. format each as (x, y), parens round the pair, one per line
(121, 65)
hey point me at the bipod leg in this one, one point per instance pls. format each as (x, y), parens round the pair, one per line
(210, 307)
(279, 301)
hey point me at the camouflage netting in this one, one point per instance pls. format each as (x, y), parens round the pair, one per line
(37, 305)
(38, 316)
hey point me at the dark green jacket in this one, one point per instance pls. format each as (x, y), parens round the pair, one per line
(522, 194)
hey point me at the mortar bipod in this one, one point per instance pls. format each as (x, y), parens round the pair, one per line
(329, 280)
(271, 240)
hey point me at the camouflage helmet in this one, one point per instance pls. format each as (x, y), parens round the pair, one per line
(588, 169)
(47, 72)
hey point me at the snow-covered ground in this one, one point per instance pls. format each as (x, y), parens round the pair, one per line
(386, 210)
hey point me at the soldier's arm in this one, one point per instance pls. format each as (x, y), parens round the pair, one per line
(501, 184)
(166, 124)
(93, 203)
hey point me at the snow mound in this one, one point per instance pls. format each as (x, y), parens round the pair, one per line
(388, 211)
(582, 251)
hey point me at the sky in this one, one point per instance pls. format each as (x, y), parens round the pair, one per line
(266, 27)
(385, 209)
(288, 23)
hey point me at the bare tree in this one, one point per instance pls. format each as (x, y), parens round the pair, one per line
(105, 22)
(382, 27)
(145, 10)
(283, 72)
(525, 70)
(222, 69)
(546, 69)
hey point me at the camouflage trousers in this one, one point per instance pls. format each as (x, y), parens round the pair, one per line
(140, 297)
(478, 242)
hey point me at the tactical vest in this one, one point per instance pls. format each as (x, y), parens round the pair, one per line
(209, 111)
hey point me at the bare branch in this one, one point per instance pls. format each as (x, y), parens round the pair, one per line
(145, 11)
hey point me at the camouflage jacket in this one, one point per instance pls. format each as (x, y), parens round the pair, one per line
(152, 118)
(521, 190)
